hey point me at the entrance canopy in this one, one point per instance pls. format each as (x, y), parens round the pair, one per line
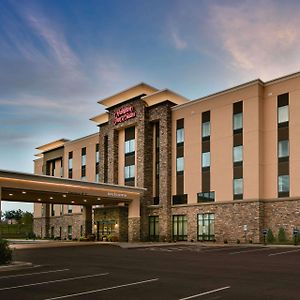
(23, 187)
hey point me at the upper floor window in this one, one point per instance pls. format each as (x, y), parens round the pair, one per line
(206, 160)
(238, 153)
(283, 183)
(83, 156)
(179, 164)
(206, 129)
(179, 135)
(238, 186)
(129, 146)
(283, 148)
(283, 114)
(129, 172)
(70, 160)
(70, 209)
(237, 121)
(97, 153)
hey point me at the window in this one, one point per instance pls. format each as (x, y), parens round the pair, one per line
(180, 135)
(206, 227)
(206, 197)
(283, 114)
(180, 228)
(129, 146)
(179, 199)
(237, 121)
(205, 129)
(83, 156)
(97, 154)
(97, 179)
(52, 210)
(179, 164)
(61, 209)
(70, 164)
(206, 160)
(70, 209)
(154, 228)
(129, 172)
(238, 186)
(70, 232)
(283, 148)
(238, 153)
(283, 183)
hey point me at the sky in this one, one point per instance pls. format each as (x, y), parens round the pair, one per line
(59, 57)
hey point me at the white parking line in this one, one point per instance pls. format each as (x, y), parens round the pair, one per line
(30, 274)
(206, 293)
(252, 250)
(217, 249)
(285, 252)
(103, 289)
(52, 281)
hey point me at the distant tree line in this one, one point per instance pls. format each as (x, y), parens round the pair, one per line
(19, 216)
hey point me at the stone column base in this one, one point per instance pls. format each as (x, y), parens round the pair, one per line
(134, 226)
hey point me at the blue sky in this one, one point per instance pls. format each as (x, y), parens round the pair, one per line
(58, 57)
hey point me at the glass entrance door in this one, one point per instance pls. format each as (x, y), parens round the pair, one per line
(206, 227)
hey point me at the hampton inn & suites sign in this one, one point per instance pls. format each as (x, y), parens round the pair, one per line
(124, 114)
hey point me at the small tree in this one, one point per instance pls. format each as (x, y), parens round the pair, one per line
(27, 218)
(5, 252)
(270, 237)
(281, 235)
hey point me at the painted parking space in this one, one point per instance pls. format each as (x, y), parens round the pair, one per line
(178, 275)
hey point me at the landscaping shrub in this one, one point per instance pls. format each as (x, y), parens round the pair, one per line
(270, 237)
(5, 252)
(281, 235)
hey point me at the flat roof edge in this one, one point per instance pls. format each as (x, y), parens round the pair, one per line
(224, 92)
(10, 174)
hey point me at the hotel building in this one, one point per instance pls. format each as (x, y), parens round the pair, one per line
(222, 167)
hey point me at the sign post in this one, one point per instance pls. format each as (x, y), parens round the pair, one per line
(295, 233)
(265, 232)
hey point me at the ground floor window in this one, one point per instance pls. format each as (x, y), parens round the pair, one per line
(206, 227)
(154, 228)
(105, 228)
(52, 232)
(180, 228)
(70, 232)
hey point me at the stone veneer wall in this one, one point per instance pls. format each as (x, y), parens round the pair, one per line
(134, 229)
(231, 217)
(119, 214)
(75, 220)
(282, 213)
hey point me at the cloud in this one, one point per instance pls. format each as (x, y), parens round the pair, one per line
(261, 37)
(178, 41)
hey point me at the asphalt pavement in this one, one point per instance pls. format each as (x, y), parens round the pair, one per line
(178, 272)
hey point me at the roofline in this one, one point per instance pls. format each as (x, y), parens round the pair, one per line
(232, 89)
(125, 90)
(63, 140)
(82, 138)
(52, 179)
(282, 78)
(162, 91)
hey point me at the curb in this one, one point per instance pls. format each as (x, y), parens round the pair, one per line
(16, 265)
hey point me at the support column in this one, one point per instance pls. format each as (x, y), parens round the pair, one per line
(47, 220)
(134, 221)
(87, 220)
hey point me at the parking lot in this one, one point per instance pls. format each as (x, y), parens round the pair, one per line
(166, 272)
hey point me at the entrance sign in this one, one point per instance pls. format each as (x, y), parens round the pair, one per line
(124, 114)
